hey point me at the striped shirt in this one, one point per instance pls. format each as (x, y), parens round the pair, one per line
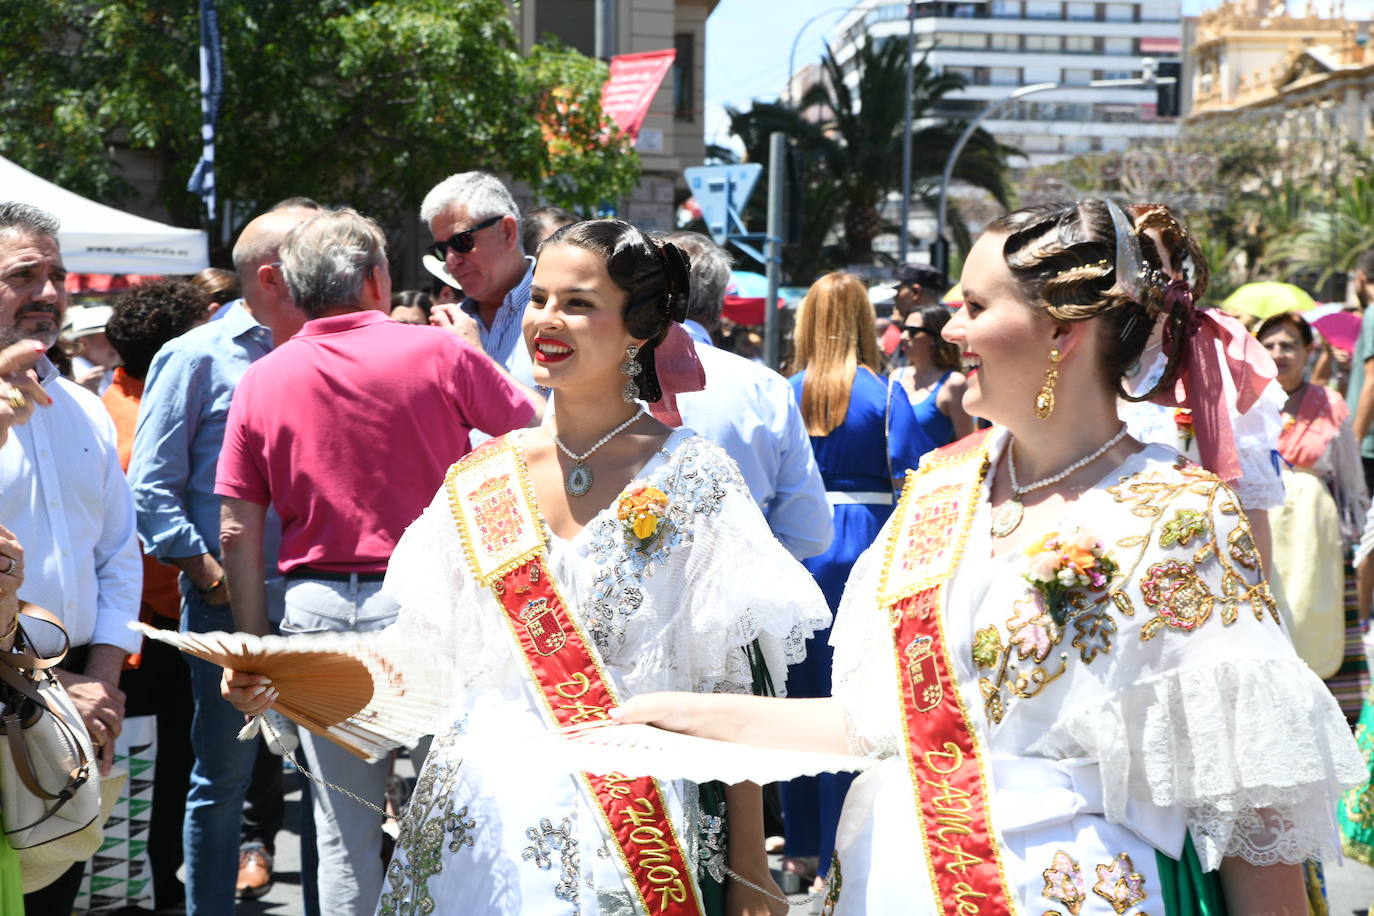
(504, 341)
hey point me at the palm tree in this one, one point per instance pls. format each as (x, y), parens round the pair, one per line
(865, 132)
(1332, 238)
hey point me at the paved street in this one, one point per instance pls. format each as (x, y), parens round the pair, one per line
(1350, 886)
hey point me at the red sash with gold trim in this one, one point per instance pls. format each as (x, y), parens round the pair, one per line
(502, 536)
(943, 753)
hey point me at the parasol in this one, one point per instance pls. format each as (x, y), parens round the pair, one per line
(1266, 298)
(1341, 329)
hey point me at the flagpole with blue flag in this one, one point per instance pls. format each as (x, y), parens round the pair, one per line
(202, 181)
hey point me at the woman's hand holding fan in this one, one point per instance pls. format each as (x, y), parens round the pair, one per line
(250, 694)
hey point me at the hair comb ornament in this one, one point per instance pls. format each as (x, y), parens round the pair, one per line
(1130, 266)
(1069, 270)
(678, 276)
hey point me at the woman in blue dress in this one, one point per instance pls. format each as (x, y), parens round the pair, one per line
(931, 378)
(865, 434)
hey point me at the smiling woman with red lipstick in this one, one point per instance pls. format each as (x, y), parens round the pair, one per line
(1062, 646)
(563, 569)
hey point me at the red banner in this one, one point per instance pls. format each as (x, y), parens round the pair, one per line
(634, 82)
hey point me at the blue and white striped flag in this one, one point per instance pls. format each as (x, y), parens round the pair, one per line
(202, 180)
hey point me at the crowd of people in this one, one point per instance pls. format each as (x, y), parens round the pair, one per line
(1084, 564)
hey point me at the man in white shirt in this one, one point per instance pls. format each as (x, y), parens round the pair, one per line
(749, 410)
(63, 494)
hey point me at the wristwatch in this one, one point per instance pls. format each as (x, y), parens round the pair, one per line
(213, 586)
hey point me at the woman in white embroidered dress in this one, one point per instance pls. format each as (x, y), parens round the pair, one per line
(1138, 709)
(674, 604)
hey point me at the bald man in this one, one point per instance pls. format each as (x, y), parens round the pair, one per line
(176, 448)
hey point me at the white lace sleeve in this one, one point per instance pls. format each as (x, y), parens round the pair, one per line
(741, 584)
(1208, 708)
(1257, 438)
(863, 678)
(441, 625)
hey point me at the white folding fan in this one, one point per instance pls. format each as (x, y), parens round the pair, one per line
(337, 685)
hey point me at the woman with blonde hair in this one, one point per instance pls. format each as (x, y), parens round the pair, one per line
(864, 435)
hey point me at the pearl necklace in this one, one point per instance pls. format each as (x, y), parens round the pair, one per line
(1007, 516)
(579, 479)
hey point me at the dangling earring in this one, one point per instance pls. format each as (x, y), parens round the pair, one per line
(1044, 400)
(631, 368)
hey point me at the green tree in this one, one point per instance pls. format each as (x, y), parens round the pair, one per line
(347, 101)
(867, 125)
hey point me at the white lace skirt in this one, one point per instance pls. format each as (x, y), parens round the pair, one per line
(1060, 854)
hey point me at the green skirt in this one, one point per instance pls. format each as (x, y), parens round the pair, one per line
(11, 882)
(1355, 813)
(1187, 890)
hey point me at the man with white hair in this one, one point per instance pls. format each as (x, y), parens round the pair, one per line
(476, 229)
(347, 430)
(750, 411)
(63, 495)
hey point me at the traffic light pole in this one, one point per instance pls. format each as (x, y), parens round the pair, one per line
(777, 151)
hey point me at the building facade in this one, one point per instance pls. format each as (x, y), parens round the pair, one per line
(673, 135)
(1001, 45)
(1302, 78)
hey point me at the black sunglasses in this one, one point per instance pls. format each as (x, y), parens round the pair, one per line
(908, 330)
(462, 242)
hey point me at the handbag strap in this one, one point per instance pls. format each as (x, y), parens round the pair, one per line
(31, 661)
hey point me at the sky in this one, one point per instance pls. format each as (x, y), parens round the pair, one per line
(747, 43)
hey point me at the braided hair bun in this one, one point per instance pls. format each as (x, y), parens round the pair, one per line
(1065, 258)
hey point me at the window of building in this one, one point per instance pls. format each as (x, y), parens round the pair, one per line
(1077, 77)
(1005, 9)
(1040, 143)
(1004, 76)
(1042, 43)
(1118, 75)
(1080, 44)
(1118, 46)
(1044, 9)
(966, 40)
(967, 73)
(1041, 74)
(1080, 12)
(1005, 42)
(1119, 12)
(684, 76)
(1077, 144)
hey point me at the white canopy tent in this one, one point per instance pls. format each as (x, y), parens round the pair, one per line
(102, 240)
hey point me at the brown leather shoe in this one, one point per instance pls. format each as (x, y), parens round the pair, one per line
(255, 872)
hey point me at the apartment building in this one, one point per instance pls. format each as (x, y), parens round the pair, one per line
(1000, 45)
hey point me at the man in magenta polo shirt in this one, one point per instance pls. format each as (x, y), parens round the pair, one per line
(346, 430)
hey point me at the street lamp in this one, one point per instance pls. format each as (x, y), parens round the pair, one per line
(1150, 79)
(792, 54)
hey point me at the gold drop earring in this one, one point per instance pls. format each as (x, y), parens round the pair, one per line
(1044, 399)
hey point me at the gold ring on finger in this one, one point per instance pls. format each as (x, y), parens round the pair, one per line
(14, 397)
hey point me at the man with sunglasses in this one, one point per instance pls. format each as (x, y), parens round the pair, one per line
(476, 228)
(914, 285)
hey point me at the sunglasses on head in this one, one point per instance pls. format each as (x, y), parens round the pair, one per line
(462, 242)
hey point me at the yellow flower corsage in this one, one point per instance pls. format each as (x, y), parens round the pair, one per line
(641, 510)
